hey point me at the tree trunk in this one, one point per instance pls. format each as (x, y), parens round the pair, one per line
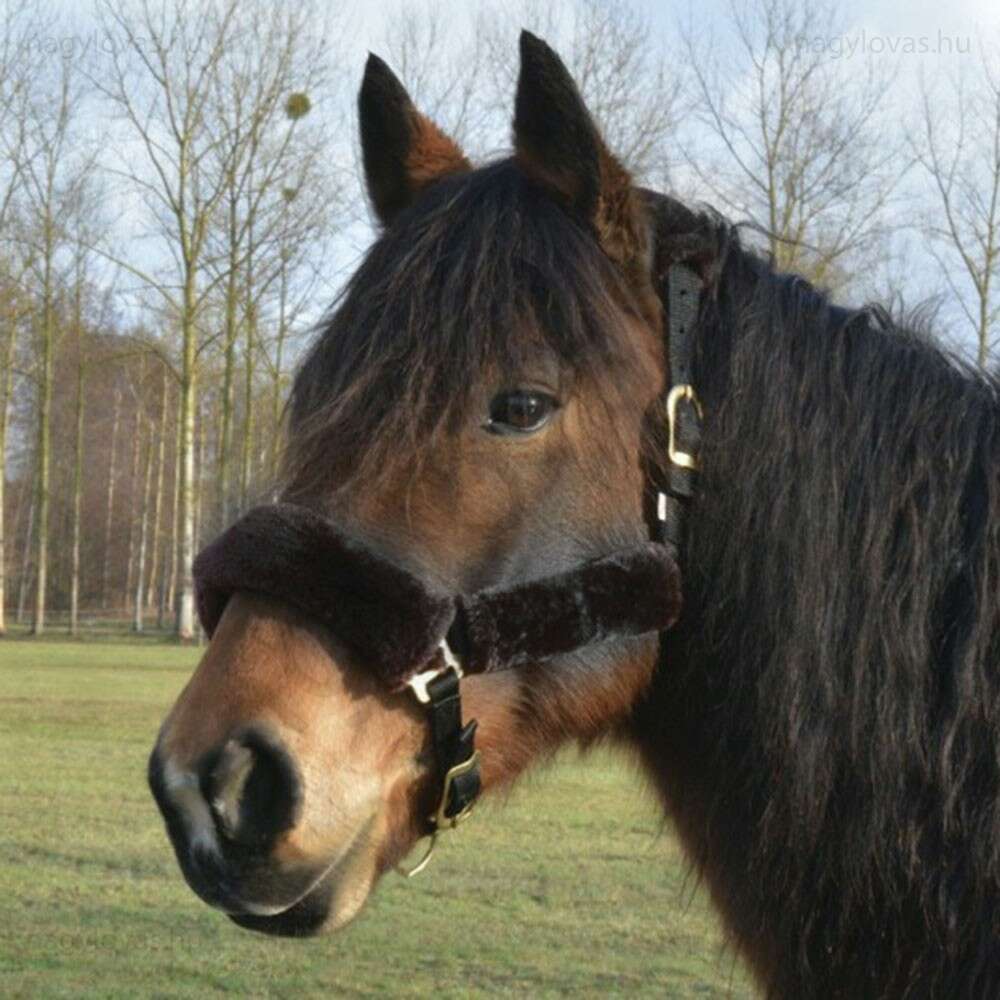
(25, 575)
(250, 319)
(200, 447)
(279, 350)
(7, 376)
(140, 560)
(74, 585)
(132, 507)
(156, 540)
(246, 451)
(228, 378)
(188, 494)
(42, 456)
(168, 592)
(983, 353)
(110, 499)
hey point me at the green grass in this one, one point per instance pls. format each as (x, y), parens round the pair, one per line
(570, 886)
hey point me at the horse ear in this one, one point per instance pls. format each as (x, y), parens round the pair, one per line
(557, 144)
(403, 151)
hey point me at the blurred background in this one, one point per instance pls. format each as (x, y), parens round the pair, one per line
(180, 203)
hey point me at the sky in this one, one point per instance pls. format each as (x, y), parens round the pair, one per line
(884, 17)
(914, 34)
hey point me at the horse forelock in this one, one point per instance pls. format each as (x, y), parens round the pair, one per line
(478, 277)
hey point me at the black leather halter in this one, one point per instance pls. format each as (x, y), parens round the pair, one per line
(418, 638)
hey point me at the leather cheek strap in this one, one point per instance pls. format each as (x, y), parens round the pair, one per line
(629, 593)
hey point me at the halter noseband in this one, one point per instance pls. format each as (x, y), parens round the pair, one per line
(416, 637)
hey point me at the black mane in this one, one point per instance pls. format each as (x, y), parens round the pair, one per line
(827, 715)
(835, 677)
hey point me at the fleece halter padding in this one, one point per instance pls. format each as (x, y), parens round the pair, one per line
(394, 622)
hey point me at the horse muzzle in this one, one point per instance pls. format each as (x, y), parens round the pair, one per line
(232, 819)
(323, 732)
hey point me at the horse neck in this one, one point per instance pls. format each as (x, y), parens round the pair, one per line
(830, 669)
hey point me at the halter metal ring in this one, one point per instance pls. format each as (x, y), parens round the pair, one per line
(425, 859)
(418, 682)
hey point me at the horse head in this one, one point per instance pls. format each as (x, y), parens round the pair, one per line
(480, 412)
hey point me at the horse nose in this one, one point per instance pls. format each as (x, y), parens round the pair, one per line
(253, 788)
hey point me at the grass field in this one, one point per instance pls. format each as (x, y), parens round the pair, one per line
(571, 886)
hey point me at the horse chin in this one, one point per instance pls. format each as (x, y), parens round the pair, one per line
(333, 902)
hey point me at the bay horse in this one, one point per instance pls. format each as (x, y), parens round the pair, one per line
(823, 724)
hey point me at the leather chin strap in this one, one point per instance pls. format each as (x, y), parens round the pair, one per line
(391, 620)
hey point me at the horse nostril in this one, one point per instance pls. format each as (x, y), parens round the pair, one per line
(253, 789)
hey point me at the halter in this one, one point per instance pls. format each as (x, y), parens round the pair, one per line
(391, 620)
(418, 638)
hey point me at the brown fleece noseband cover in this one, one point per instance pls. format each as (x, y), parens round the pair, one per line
(394, 622)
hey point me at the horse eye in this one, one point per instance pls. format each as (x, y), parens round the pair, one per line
(520, 412)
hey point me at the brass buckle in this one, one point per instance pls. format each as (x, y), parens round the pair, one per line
(678, 394)
(439, 819)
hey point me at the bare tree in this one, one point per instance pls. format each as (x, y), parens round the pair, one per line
(18, 69)
(78, 449)
(790, 139)
(957, 145)
(163, 62)
(54, 169)
(161, 449)
(620, 64)
(142, 525)
(85, 221)
(302, 231)
(24, 574)
(443, 67)
(16, 72)
(11, 312)
(266, 155)
(109, 495)
(135, 492)
(168, 591)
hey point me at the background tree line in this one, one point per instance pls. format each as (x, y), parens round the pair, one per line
(179, 203)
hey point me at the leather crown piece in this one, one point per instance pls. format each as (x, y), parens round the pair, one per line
(394, 623)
